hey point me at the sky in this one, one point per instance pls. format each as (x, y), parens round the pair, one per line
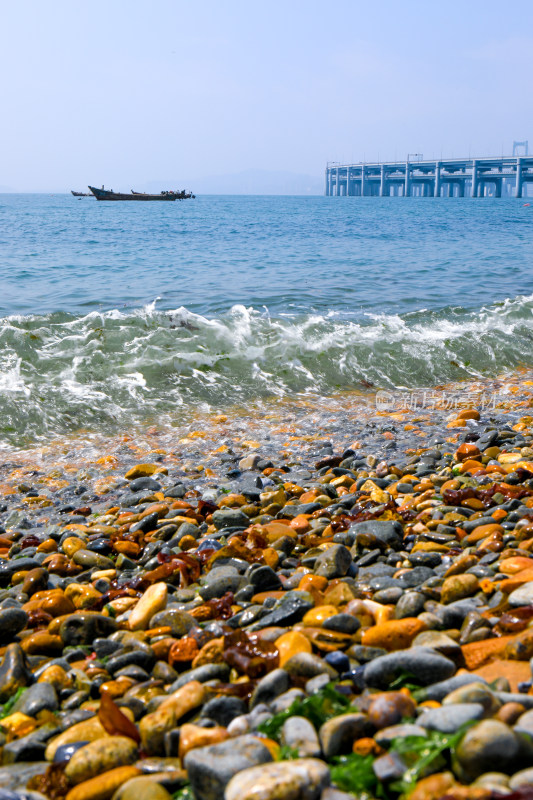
(123, 92)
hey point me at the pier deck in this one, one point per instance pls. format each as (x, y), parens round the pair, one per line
(507, 176)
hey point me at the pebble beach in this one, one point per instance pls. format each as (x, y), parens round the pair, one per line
(339, 607)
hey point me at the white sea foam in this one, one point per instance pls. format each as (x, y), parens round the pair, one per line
(115, 367)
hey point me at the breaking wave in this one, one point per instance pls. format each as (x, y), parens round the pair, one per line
(112, 370)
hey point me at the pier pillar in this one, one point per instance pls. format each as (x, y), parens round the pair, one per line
(347, 181)
(363, 181)
(337, 183)
(436, 190)
(461, 189)
(475, 179)
(407, 184)
(518, 183)
(382, 181)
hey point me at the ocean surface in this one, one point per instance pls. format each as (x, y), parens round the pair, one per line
(116, 316)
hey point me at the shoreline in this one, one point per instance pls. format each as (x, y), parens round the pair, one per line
(269, 599)
(277, 426)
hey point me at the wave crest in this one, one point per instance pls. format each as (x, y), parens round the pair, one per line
(110, 370)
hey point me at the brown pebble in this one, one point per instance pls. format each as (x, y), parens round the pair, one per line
(510, 712)
(36, 580)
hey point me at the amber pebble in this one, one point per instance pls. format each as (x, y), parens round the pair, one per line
(469, 413)
(52, 602)
(162, 647)
(458, 587)
(103, 786)
(187, 542)
(260, 597)
(338, 595)
(118, 687)
(430, 788)
(72, 545)
(48, 546)
(233, 501)
(482, 531)
(290, 644)
(457, 423)
(18, 577)
(394, 634)
(492, 544)
(316, 616)
(59, 564)
(271, 557)
(161, 509)
(514, 581)
(56, 676)
(461, 564)
(510, 566)
(471, 465)
(366, 747)
(42, 643)
(328, 641)
(309, 496)
(129, 549)
(193, 736)
(316, 581)
(144, 471)
(82, 595)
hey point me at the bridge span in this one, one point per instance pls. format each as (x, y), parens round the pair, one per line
(507, 176)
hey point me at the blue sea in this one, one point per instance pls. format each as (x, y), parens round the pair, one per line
(118, 314)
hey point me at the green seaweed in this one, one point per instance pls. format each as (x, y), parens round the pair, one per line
(355, 773)
(8, 706)
(405, 680)
(287, 753)
(317, 708)
(424, 755)
(185, 793)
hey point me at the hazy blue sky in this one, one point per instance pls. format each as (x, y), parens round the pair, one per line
(128, 91)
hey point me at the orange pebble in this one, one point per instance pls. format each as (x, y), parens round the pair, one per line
(468, 413)
(466, 451)
(313, 581)
(300, 524)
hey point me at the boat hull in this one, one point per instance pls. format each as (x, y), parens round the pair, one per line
(105, 194)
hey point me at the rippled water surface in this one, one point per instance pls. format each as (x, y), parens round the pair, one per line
(118, 314)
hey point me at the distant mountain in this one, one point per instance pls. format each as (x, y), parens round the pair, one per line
(252, 181)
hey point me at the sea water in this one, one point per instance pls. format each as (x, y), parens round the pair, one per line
(117, 316)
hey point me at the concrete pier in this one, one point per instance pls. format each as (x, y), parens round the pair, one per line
(455, 177)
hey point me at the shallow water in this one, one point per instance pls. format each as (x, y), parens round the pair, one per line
(120, 316)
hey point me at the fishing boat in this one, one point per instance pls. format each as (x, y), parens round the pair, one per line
(109, 194)
(81, 194)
